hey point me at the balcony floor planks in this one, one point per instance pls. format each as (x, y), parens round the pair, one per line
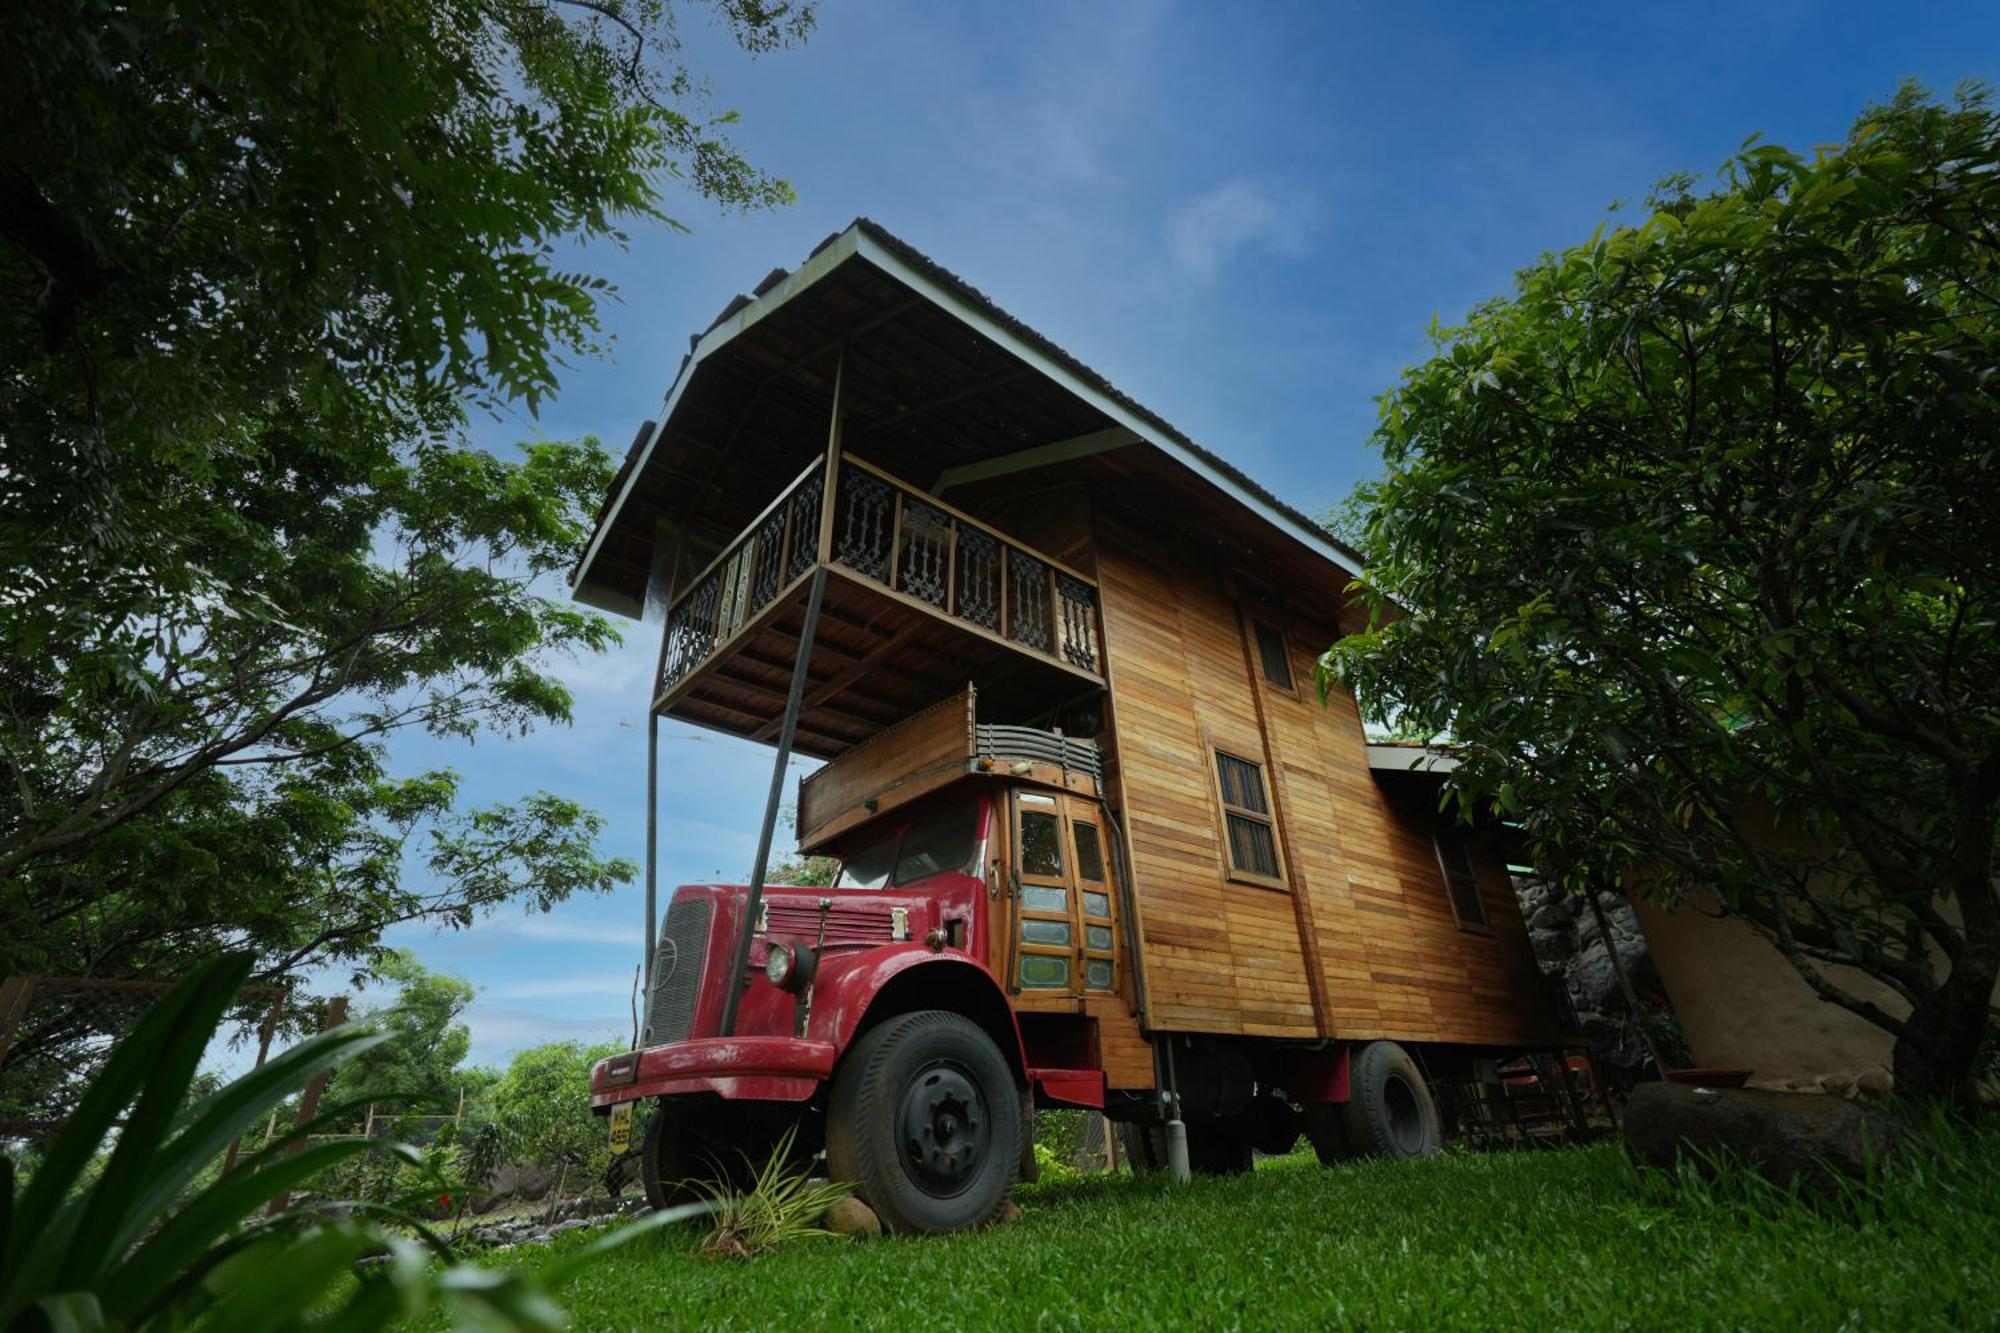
(741, 689)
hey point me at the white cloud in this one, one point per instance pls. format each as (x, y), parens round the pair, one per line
(1080, 92)
(569, 932)
(498, 1033)
(1205, 232)
(597, 984)
(620, 673)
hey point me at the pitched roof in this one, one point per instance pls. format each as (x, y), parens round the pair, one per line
(938, 286)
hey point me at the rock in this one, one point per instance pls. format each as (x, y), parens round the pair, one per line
(1593, 980)
(1840, 1085)
(524, 1180)
(1552, 946)
(1553, 917)
(1786, 1137)
(564, 1228)
(1877, 1082)
(851, 1217)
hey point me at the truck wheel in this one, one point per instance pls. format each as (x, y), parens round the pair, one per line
(924, 1120)
(1327, 1132)
(1389, 1112)
(669, 1159)
(1143, 1146)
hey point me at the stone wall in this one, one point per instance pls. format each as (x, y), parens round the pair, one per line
(1566, 939)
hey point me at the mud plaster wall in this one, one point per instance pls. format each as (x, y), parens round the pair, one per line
(1743, 1006)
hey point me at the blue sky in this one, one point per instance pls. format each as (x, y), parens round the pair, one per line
(1245, 215)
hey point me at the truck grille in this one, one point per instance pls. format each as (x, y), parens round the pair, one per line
(844, 924)
(677, 967)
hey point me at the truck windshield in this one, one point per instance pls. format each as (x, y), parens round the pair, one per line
(869, 868)
(943, 839)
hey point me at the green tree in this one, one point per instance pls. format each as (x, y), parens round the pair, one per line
(427, 1039)
(256, 260)
(1696, 545)
(812, 872)
(540, 1107)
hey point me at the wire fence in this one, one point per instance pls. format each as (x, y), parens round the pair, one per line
(57, 1032)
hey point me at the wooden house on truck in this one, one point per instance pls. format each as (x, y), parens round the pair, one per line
(1101, 843)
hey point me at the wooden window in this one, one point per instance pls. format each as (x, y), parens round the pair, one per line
(1461, 885)
(1275, 656)
(1246, 819)
(1041, 844)
(1047, 939)
(1093, 897)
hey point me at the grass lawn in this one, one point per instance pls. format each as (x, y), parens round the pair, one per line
(1567, 1239)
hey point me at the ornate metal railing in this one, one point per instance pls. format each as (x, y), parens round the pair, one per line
(895, 535)
(781, 545)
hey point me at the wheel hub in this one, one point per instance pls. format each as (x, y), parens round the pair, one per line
(1406, 1117)
(942, 1126)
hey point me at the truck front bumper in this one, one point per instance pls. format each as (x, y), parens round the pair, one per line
(771, 1069)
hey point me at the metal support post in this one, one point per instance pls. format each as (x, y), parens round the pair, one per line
(1177, 1144)
(652, 844)
(778, 767)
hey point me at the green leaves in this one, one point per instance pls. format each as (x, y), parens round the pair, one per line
(143, 1244)
(248, 305)
(1696, 548)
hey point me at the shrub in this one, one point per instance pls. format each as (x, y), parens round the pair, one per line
(782, 1205)
(149, 1236)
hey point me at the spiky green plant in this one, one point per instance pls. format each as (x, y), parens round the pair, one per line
(151, 1241)
(783, 1204)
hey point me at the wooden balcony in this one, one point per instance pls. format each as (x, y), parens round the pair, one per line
(920, 600)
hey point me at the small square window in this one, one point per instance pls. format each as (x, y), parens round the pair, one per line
(1277, 661)
(1041, 972)
(1455, 860)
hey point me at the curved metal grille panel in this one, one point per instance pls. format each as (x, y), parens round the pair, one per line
(678, 962)
(996, 741)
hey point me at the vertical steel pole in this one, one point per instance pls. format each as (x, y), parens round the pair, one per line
(1177, 1144)
(652, 841)
(661, 580)
(794, 698)
(778, 767)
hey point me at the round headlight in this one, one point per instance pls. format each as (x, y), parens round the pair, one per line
(778, 964)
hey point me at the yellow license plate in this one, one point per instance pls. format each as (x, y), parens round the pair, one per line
(621, 1127)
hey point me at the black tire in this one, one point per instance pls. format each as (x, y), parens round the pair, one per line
(1219, 1147)
(1144, 1147)
(1326, 1129)
(924, 1120)
(669, 1158)
(1390, 1112)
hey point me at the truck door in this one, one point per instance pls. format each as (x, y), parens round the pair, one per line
(1064, 931)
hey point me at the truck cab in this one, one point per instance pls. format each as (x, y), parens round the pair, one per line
(908, 1017)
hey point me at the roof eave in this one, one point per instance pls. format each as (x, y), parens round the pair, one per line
(981, 317)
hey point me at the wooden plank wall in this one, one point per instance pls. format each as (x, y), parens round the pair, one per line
(1220, 956)
(1225, 957)
(891, 767)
